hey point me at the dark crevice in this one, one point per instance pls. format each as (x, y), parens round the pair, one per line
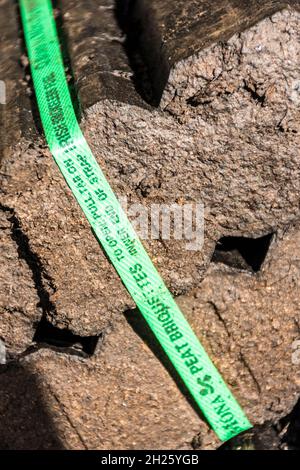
(131, 22)
(292, 424)
(260, 437)
(202, 99)
(143, 46)
(39, 275)
(285, 434)
(196, 101)
(242, 252)
(123, 9)
(48, 335)
(261, 99)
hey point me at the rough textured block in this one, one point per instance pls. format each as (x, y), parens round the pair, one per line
(125, 396)
(170, 33)
(224, 131)
(236, 151)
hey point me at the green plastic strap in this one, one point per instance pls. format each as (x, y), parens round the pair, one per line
(112, 228)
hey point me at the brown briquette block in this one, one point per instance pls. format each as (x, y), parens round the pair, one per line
(169, 32)
(225, 133)
(228, 138)
(126, 396)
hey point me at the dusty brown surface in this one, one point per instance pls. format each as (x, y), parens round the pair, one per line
(235, 154)
(236, 150)
(124, 397)
(260, 318)
(226, 134)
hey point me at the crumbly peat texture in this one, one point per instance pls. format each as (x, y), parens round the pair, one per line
(224, 133)
(130, 399)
